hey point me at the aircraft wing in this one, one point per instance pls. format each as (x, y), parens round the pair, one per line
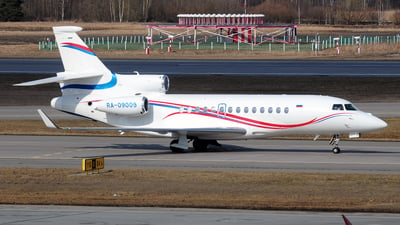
(214, 132)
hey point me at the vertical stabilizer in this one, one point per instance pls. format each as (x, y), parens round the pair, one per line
(75, 54)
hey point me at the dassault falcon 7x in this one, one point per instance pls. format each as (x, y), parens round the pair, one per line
(140, 103)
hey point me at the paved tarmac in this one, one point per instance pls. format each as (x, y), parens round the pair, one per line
(153, 153)
(63, 215)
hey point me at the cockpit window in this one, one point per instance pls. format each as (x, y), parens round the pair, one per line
(350, 107)
(337, 107)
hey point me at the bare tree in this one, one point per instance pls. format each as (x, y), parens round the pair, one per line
(121, 7)
(112, 10)
(288, 11)
(62, 9)
(146, 9)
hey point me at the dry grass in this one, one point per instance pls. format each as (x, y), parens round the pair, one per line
(45, 28)
(351, 30)
(244, 190)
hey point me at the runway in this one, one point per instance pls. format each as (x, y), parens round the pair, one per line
(153, 153)
(62, 215)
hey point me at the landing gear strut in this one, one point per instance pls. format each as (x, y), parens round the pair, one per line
(335, 142)
(175, 149)
(179, 145)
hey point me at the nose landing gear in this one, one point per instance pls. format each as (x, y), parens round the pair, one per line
(335, 142)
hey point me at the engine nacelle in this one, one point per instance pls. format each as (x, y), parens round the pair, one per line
(146, 83)
(127, 106)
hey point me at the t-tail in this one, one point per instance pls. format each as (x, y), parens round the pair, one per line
(76, 56)
(90, 89)
(83, 70)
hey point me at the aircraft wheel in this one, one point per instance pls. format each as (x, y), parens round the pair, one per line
(175, 149)
(336, 150)
(200, 145)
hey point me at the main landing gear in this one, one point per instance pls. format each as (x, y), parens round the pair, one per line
(335, 142)
(173, 147)
(199, 145)
(203, 145)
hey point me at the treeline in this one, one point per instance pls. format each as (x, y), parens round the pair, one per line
(276, 11)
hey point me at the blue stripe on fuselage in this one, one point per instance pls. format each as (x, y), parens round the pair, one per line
(107, 85)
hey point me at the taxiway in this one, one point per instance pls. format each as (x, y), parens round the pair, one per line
(153, 153)
(61, 215)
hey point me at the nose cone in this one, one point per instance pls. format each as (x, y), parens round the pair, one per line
(374, 123)
(366, 122)
(380, 124)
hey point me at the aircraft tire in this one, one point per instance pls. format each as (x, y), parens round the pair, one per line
(336, 150)
(200, 145)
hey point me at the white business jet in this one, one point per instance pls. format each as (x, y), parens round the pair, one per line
(139, 103)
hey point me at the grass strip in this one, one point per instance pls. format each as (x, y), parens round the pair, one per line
(216, 189)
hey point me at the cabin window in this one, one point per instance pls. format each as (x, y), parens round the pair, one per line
(350, 107)
(278, 110)
(337, 107)
(246, 109)
(262, 110)
(197, 109)
(205, 109)
(230, 109)
(237, 109)
(270, 110)
(286, 110)
(254, 109)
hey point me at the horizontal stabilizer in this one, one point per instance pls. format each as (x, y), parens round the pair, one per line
(66, 29)
(63, 76)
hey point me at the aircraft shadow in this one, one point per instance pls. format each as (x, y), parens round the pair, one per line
(235, 148)
(156, 149)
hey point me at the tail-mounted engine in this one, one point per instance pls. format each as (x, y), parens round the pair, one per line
(145, 83)
(127, 106)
